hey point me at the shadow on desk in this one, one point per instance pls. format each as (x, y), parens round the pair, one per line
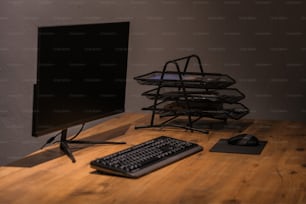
(55, 152)
(215, 125)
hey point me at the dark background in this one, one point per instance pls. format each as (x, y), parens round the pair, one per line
(260, 43)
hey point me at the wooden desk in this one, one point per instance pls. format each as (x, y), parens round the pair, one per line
(278, 175)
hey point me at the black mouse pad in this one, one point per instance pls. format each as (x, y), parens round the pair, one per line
(223, 146)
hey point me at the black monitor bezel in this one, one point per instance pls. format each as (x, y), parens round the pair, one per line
(36, 133)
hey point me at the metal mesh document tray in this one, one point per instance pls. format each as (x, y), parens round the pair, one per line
(190, 94)
(186, 79)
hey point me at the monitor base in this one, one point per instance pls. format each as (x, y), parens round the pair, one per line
(65, 147)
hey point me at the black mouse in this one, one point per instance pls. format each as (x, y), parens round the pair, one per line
(243, 140)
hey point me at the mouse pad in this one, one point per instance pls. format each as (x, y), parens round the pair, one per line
(223, 146)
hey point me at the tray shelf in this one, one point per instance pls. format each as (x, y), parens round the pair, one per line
(217, 111)
(228, 95)
(187, 79)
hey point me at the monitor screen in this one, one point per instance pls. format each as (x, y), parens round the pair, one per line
(81, 74)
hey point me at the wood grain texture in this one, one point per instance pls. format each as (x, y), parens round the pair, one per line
(277, 175)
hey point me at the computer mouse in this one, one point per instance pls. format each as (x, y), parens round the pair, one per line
(243, 140)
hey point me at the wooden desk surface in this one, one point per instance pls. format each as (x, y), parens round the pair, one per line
(278, 175)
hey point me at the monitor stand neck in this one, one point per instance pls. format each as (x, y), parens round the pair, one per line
(65, 147)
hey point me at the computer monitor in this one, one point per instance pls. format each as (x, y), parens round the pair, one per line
(81, 75)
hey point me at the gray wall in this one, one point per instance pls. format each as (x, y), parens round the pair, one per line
(262, 44)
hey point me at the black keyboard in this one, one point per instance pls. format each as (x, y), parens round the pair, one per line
(146, 157)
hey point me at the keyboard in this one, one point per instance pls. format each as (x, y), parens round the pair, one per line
(145, 157)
